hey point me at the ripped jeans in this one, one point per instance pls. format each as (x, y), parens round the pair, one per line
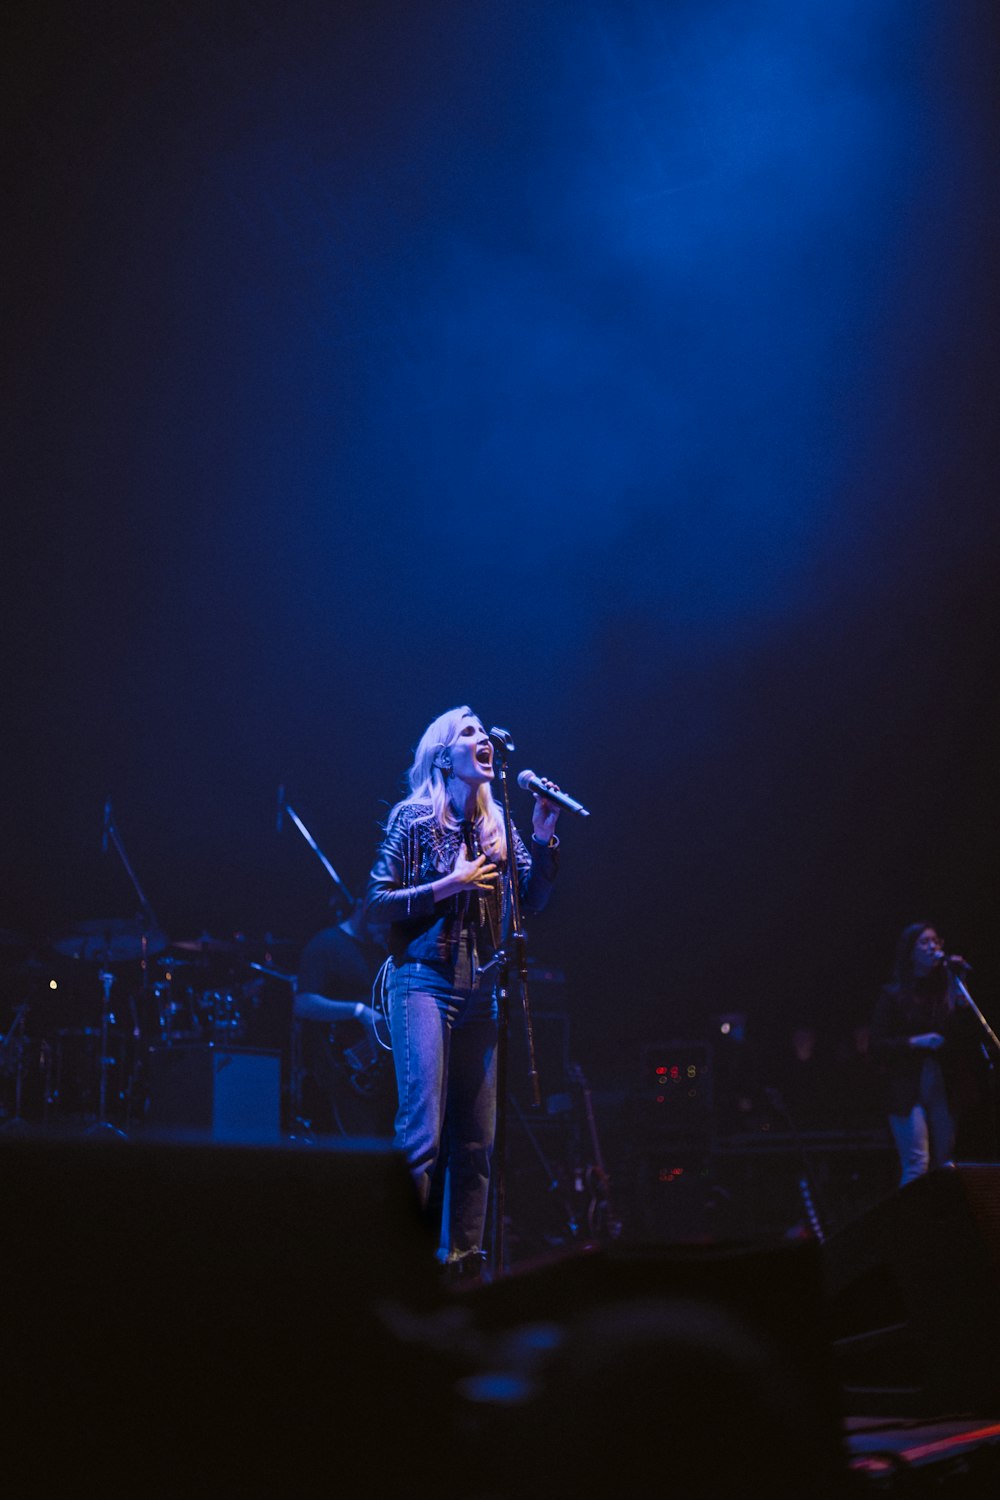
(444, 1046)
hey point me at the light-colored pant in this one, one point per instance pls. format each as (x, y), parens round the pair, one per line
(925, 1137)
(444, 1044)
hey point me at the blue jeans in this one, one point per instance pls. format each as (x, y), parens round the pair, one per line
(444, 1044)
(926, 1136)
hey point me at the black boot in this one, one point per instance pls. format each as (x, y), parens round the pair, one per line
(466, 1271)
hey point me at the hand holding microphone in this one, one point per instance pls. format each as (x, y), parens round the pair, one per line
(548, 789)
(549, 802)
(954, 963)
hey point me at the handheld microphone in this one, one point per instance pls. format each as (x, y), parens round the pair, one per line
(952, 962)
(531, 783)
(281, 807)
(107, 826)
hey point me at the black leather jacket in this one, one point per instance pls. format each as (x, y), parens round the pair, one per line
(415, 852)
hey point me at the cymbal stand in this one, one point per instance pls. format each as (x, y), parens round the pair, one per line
(16, 1037)
(111, 832)
(517, 959)
(102, 1123)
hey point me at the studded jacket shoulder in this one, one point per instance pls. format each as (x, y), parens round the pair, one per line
(415, 852)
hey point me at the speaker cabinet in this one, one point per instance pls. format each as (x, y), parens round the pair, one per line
(226, 1093)
(913, 1293)
(214, 1317)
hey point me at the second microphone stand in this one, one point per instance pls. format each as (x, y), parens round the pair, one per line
(300, 1127)
(989, 1034)
(515, 960)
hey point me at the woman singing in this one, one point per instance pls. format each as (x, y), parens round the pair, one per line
(917, 1037)
(438, 881)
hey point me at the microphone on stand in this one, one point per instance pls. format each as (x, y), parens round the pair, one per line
(502, 738)
(281, 807)
(954, 964)
(107, 826)
(532, 783)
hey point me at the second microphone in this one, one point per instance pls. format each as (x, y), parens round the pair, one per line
(532, 783)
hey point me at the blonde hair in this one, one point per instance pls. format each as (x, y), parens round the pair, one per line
(428, 783)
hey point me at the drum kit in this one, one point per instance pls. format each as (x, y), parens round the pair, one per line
(87, 1011)
(86, 1007)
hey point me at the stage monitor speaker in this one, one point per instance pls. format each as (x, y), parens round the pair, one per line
(913, 1296)
(226, 1093)
(214, 1315)
(663, 1369)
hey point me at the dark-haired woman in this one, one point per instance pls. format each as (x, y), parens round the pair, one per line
(921, 1036)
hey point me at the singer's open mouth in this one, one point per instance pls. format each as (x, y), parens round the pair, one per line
(484, 755)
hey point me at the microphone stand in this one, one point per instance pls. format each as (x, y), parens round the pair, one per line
(286, 807)
(518, 959)
(111, 832)
(988, 1031)
(296, 1065)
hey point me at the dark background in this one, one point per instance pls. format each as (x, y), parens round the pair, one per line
(625, 370)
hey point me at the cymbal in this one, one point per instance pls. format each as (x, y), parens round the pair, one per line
(110, 940)
(235, 947)
(209, 945)
(273, 973)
